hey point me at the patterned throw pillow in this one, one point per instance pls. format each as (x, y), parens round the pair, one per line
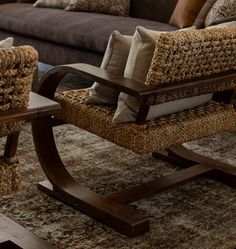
(222, 9)
(60, 4)
(114, 7)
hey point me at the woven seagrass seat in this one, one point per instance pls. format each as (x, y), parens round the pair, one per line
(184, 64)
(156, 135)
(17, 67)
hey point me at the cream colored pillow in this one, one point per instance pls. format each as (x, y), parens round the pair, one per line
(114, 62)
(223, 25)
(7, 43)
(60, 4)
(138, 64)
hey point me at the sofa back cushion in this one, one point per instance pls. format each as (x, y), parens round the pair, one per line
(157, 10)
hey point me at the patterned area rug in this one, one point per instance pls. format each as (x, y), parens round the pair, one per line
(199, 215)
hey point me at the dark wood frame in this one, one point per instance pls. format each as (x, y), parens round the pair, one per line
(113, 210)
(38, 106)
(14, 236)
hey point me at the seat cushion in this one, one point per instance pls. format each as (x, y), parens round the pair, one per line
(88, 31)
(156, 135)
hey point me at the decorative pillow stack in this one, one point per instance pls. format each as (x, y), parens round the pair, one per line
(203, 12)
(133, 60)
(137, 67)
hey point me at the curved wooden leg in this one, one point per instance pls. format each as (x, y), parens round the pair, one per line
(65, 188)
(112, 210)
(184, 157)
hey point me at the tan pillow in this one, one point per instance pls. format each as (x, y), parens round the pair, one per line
(114, 62)
(114, 7)
(220, 10)
(137, 67)
(60, 4)
(199, 22)
(186, 12)
(7, 43)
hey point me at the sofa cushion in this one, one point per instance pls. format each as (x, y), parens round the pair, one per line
(87, 31)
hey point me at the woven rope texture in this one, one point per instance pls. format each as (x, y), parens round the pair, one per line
(188, 55)
(17, 66)
(9, 176)
(159, 134)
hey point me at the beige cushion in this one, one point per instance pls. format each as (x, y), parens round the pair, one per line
(223, 25)
(114, 62)
(60, 4)
(137, 67)
(186, 12)
(220, 10)
(199, 22)
(114, 7)
(7, 43)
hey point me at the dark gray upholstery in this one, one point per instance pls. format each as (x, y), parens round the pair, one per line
(157, 10)
(53, 53)
(63, 37)
(87, 31)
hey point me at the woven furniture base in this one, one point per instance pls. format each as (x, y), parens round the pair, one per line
(10, 177)
(156, 135)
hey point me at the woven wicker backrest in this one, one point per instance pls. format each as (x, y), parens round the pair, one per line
(17, 67)
(187, 55)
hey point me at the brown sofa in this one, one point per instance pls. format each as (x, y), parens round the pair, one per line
(63, 37)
